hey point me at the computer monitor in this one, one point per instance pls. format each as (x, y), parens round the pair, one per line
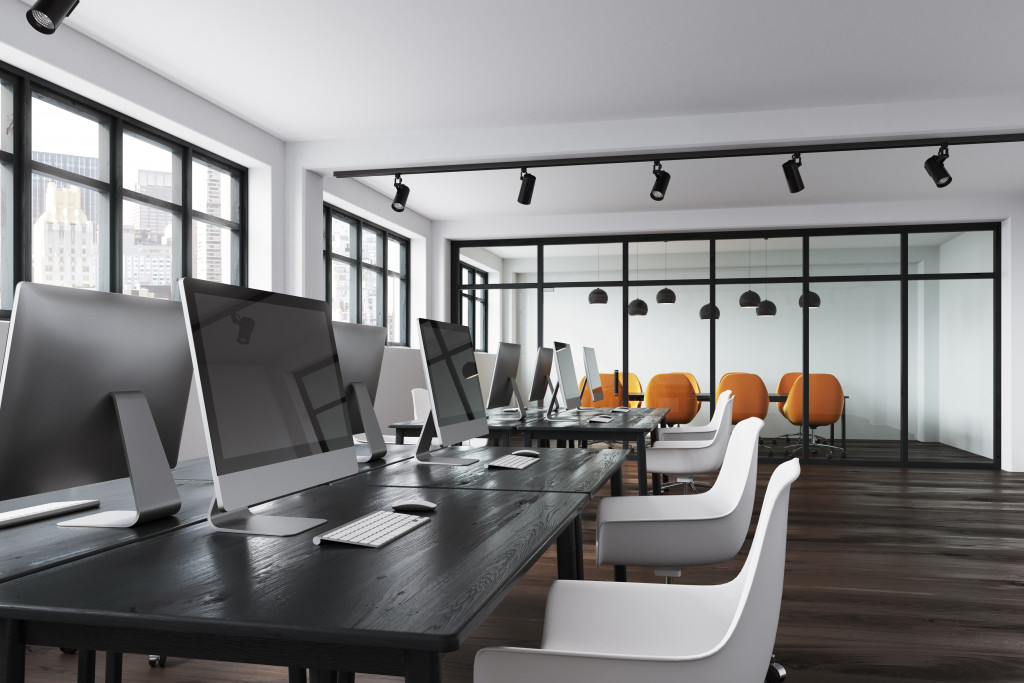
(568, 388)
(360, 356)
(503, 382)
(94, 387)
(272, 400)
(456, 403)
(542, 376)
(593, 375)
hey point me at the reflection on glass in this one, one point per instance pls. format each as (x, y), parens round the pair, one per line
(949, 252)
(214, 191)
(373, 290)
(342, 236)
(147, 249)
(6, 116)
(6, 236)
(451, 364)
(373, 247)
(877, 254)
(67, 140)
(213, 249)
(150, 168)
(951, 371)
(66, 247)
(343, 303)
(397, 310)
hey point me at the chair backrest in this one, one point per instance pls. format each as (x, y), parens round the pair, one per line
(610, 400)
(420, 403)
(667, 458)
(673, 390)
(785, 384)
(723, 409)
(733, 492)
(826, 400)
(750, 392)
(696, 387)
(746, 648)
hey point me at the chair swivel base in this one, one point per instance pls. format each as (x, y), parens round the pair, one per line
(689, 484)
(776, 672)
(815, 444)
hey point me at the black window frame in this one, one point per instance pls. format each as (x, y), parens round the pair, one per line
(384, 268)
(477, 328)
(17, 256)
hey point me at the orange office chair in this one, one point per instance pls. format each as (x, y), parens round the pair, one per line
(826, 407)
(785, 384)
(750, 394)
(610, 400)
(675, 391)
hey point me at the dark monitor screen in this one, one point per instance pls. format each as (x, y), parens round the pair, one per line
(68, 350)
(593, 374)
(506, 367)
(541, 374)
(360, 357)
(567, 376)
(453, 377)
(269, 375)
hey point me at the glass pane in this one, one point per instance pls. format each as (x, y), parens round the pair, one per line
(148, 247)
(150, 168)
(343, 236)
(373, 247)
(467, 276)
(214, 191)
(398, 302)
(213, 253)
(951, 371)
(503, 264)
(397, 258)
(343, 305)
(467, 313)
(482, 339)
(68, 140)
(569, 318)
(373, 290)
(855, 336)
(582, 262)
(949, 252)
(6, 116)
(876, 254)
(755, 257)
(66, 248)
(6, 236)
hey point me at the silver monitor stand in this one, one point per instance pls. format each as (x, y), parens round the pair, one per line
(156, 495)
(423, 452)
(359, 397)
(520, 408)
(243, 521)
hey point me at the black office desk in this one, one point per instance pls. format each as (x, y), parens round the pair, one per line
(500, 425)
(283, 601)
(632, 426)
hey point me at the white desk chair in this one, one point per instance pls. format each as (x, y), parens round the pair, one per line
(598, 631)
(683, 459)
(668, 533)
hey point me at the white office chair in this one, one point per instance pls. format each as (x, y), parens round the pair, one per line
(699, 432)
(667, 533)
(597, 631)
(683, 459)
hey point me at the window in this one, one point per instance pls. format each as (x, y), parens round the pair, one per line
(367, 272)
(474, 306)
(106, 207)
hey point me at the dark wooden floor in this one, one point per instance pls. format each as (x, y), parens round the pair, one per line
(892, 575)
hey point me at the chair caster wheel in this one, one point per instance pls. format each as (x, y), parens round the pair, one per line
(157, 660)
(69, 650)
(776, 673)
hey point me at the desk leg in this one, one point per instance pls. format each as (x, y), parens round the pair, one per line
(12, 656)
(399, 439)
(568, 552)
(297, 674)
(505, 438)
(617, 482)
(422, 667)
(641, 465)
(843, 427)
(620, 573)
(87, 666)
(112, 673)
(526, 439)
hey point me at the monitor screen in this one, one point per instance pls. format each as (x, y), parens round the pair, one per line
(541, 373)
(593, 375)
(269, 376)
(506, 367)
(451, 373)
(569, 385)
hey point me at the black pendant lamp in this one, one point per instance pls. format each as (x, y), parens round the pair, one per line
(637, 306)
(710, 312)
(813, 300)
(598, 295)
(749, 298)
(766, 308)
(666, 295)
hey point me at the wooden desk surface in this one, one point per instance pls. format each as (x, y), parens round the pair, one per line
(569, 470)
(637, 421)
(183, 593)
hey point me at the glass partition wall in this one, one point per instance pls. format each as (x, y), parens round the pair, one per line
(904, 320)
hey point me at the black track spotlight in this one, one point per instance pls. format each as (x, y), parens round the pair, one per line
(710, 312)
(661, 180)
(813, 300)
(598, 296)
(401, 195)
(792, 170)
(936, 167)
(765, 308)
(526, 187)
(637, 307)
(46, 15)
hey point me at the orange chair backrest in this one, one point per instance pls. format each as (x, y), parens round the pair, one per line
(610, 400)
(785, 384)
(750, 395)
(673, 390)
(696, 387)
(826, 400)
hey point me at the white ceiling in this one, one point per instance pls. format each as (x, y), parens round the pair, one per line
(329, 70)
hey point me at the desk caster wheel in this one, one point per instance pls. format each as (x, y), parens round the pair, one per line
(69, 650)
(776, 672)
(157, 660)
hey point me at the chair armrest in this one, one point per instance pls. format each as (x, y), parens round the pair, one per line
(516, 665)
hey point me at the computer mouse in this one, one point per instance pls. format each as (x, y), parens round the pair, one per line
(413, 505)
(525, 451)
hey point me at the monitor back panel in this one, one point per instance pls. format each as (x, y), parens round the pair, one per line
(360, 357)
(506, 367)
(541, 374)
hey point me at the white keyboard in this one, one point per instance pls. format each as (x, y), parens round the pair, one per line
(513, 462)
(373, 530)
(30, 514)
